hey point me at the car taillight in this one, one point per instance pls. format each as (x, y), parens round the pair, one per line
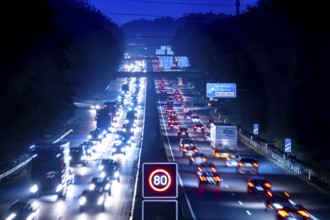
(255, 164)
(283, 213)
(195, 150)
(213, 169)
(192, 159)
(202, 178)
(250, 184)
(216, 178)
(269, 193)
(303, 213)
(202, 127)
(240, 164)
(204, 159)
(267, 185)
(195, 127)
(287, 194)
(199, 169)
(217, 154)
(185, 150)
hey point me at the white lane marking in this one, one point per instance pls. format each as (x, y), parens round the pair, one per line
(239, 202)
(233, 194)
(248, 212)
(173, 159)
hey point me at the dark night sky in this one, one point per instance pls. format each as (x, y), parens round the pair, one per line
(122, 11)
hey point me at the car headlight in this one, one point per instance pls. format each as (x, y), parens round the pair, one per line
(11, 216)
(116, 136)
(91, 187)
(59, 188)
(100, 136)
(101, 167)
(83, 157)
(107, 187)
(34, 188)
(82, 200)
(122, 149)
(100, 201)
(129, 141)
(102, 175)
(116, 174)
(132, 129)
(89, 136)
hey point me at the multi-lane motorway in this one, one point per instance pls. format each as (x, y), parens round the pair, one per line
(230, 201)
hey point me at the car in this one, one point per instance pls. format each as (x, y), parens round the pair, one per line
(109, 168)
(103, 182)
(211, 120)
(273, 197)
(118, 148)
(186, 142)
(21, 209)
(195, 118)
(172, 114)
(291, 211)
(78, 156)
(207, 178)
(222, 153)
(129, 127)
(197, 158)
(247, 165)
(183, 132)
(258, 184)
(232, 160)
(199, 127)
(206, 166)
(89, 147)
(174, 124)
(169, 108)
(189, 150)
(177, 92)
(189, 114)
(97, 135)
(92, 199)
(170, 100)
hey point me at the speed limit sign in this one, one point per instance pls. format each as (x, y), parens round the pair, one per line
(160, 180)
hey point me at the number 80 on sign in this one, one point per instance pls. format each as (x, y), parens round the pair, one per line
(159, 180)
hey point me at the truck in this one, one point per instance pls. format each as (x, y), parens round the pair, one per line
(223, 136)
(104, 120)
(125, 88)
(50, 169)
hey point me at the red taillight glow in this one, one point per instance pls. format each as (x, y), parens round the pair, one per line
(216, 178)
(213, 169)
(202, 178)
(303, 213)
(267, 185)
(283, 213)
(287, 194)
(199, 169)
(250, 184)
(204, 159)
(240, 164)
(256, 164)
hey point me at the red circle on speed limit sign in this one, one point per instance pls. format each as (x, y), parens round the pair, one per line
(160, 180)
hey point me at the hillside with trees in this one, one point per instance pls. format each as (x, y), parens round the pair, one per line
(53, 52)
(277, 57)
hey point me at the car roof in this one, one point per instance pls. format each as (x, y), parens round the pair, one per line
(208, 173)
(258, 178)
(206, 163)
(248, 159)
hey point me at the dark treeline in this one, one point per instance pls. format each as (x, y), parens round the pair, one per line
(52, 53)
(277, 54)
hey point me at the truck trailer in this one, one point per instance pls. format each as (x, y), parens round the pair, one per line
(223, 136)
(50, 169)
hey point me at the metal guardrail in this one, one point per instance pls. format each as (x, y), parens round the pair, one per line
(24, 165)
(293, 167)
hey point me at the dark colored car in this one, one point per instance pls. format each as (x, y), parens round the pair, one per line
(199, 127)
(109, 168)
(291, 211)
(209, 178)
(258, 184)
(89, 147)
(78, 156)
(183, 132)
(97, 135)
(93, 199)
(273, 197)
(98, 182)
(206, 166)
(186, 142)
(118, 148)
(22, 210)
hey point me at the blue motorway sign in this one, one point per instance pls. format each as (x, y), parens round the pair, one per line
(166, 61)
(255, 129)
(221, 90)
(287, 145)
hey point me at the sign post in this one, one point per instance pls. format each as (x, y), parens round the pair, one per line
(287, 145)
(221, 90)
(160, 190)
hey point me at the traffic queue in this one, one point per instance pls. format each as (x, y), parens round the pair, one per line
(180, 118)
